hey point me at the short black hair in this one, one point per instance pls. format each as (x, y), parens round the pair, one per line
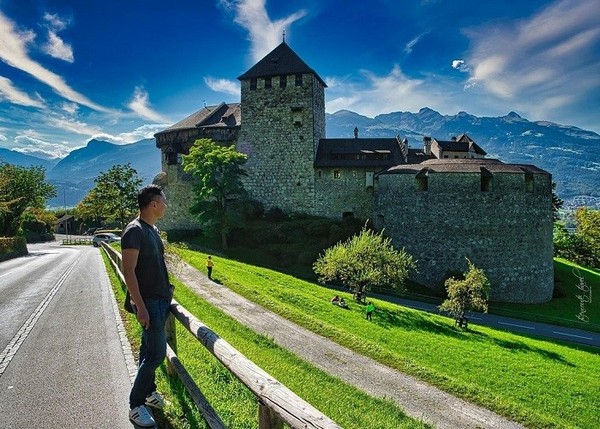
(148, 194)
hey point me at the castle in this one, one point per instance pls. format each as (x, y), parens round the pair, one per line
(442, 202)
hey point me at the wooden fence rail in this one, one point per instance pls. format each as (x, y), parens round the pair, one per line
(277, 403)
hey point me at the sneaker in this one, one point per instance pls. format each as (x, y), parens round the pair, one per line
(141, 416)
(155, 400)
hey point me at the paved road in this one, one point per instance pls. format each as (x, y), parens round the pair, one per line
(61, 358)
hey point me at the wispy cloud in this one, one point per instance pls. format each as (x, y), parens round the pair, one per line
(541, 64)
(143, 132)
(57, 48)
(223, 85)
(410, 45)
(71, 125)
(16, 96)
(378, 94)
(141, 106)
(55, 22)
(13, 51)
(263, 33)
(35, 146)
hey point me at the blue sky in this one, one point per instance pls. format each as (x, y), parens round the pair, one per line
(72, 70)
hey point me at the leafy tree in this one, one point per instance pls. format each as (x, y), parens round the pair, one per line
(90, 209)
(583, 246)
(21, 188)
(115, 194)
(363, 261)
(218, 173)
(557, 204)
(472, 293)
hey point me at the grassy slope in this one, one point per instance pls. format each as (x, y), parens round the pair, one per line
(539, 383)
(564, 309)
(236, 405)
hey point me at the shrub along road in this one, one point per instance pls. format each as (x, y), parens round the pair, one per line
(419, 400)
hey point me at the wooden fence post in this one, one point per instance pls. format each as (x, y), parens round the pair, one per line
(171, 341)
(267, 418)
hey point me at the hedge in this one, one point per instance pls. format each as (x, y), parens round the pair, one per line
(12, 247)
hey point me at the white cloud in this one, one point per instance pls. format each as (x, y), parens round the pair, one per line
(146, 131)
(379, 94)
(460, 65)
(13, 51)
(71, 125)
(141, 105)
(70, 108)
(55, 22)
(16, 96)
(57, 48)
(410, 45)
(263, 33)
(223, 85)
(546, 66)
(30, 145)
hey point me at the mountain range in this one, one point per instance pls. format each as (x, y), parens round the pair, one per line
(570, 154)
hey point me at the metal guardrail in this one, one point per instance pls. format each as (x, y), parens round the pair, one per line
(277, 403)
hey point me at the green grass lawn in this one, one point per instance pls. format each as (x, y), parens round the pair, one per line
(539, 383)
(565, 309)
(237, 406)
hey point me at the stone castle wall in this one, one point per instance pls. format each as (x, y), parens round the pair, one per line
(347, 193)
(177, 186)
(281, 127)
(506, 231)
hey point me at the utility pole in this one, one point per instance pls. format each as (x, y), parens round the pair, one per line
(66, 220)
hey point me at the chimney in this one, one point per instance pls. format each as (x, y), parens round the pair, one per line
(427, 145)
(355, 132)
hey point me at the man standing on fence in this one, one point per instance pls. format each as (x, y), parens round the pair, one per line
(148, 284)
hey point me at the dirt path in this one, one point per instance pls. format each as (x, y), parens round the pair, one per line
(418, 399)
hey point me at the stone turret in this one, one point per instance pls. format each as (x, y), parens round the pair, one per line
(283, 110)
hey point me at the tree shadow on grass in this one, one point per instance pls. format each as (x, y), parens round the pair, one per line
(414, 321)
(520, 346)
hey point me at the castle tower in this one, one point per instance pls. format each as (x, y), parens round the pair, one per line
(283, 118)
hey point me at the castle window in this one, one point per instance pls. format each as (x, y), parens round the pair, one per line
(267, 83)
(299, 79)
(422, 181)
(172, 158)
(487, 179)
(528, 182)
(297, 115)
(320, 173)
(253, 83)
(337, 174)
(282, 82)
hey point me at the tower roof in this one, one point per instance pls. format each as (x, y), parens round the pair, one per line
(280, 61)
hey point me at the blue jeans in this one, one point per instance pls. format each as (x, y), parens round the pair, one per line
(152, 351)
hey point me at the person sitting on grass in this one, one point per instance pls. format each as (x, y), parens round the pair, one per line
(335, 300)
(342, 303)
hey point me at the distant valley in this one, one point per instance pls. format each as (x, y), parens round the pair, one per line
(571, 154)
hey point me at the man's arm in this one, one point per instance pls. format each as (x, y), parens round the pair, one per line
(130, 257)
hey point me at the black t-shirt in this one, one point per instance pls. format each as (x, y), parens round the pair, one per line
(150, 270)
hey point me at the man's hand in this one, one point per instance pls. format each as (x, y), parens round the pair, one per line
(143, 317)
